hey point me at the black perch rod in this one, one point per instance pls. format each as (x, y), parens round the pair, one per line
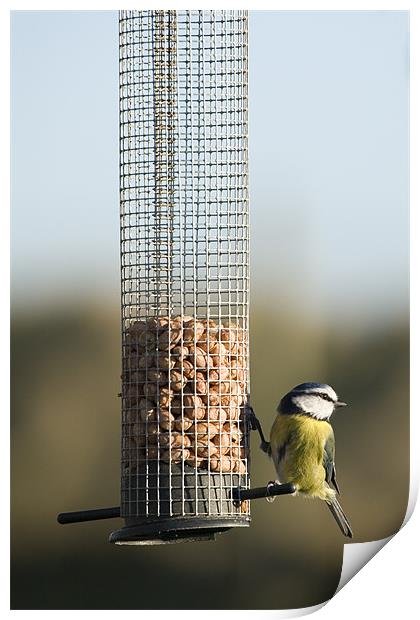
(238, 495)
(89, 515)
(271, 490)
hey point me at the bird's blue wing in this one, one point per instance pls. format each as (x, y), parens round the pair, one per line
(329, 464)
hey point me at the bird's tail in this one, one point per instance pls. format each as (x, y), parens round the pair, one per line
(338, 514)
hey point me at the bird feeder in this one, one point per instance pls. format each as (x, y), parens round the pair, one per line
(184, 272)
(184, 276)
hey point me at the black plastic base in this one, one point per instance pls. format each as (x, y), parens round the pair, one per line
(169, 531)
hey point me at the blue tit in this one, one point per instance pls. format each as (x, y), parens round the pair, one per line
(302, 445)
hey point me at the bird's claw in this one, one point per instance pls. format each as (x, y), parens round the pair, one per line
(265, 446)
(270, 498)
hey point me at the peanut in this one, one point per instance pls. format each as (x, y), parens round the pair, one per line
(202, 359)
(166, 420)
(204, 430)
(193, 330)
(217, 415)
(222, 441)
(223, 464)
(205, 448)
(186, 368)
(193, 407)
(200, 383)
(183, 424)
(176, 456)
(178, 380)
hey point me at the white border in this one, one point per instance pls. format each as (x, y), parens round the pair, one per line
(388, 584)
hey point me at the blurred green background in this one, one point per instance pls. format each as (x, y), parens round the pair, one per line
(65, 456)
(329, 303)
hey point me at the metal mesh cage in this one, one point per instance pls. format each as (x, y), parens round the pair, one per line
(184, 272)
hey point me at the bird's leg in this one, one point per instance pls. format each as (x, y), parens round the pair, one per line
(256, 426)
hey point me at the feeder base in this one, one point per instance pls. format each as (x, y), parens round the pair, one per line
(175, 530)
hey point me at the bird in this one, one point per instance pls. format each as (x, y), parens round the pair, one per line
(302, 445)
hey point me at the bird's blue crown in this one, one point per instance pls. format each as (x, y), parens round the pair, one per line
(309, 386)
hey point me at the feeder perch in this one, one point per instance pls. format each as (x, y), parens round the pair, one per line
(184, 277)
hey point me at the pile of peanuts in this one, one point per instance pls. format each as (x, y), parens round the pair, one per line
(184, 382)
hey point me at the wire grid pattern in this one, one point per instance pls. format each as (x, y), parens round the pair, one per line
(184, 257)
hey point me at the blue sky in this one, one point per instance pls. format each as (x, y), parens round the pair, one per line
(328, 159)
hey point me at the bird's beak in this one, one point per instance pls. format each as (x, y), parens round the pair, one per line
(339, 403)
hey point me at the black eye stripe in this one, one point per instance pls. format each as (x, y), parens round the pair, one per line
(326, 397)
(320, 394)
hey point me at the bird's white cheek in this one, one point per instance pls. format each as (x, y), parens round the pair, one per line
(324, 409)
(315, 405)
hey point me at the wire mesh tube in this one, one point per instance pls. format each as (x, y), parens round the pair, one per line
(184, 269)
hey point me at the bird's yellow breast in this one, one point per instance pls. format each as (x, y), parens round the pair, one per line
(297, 447)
